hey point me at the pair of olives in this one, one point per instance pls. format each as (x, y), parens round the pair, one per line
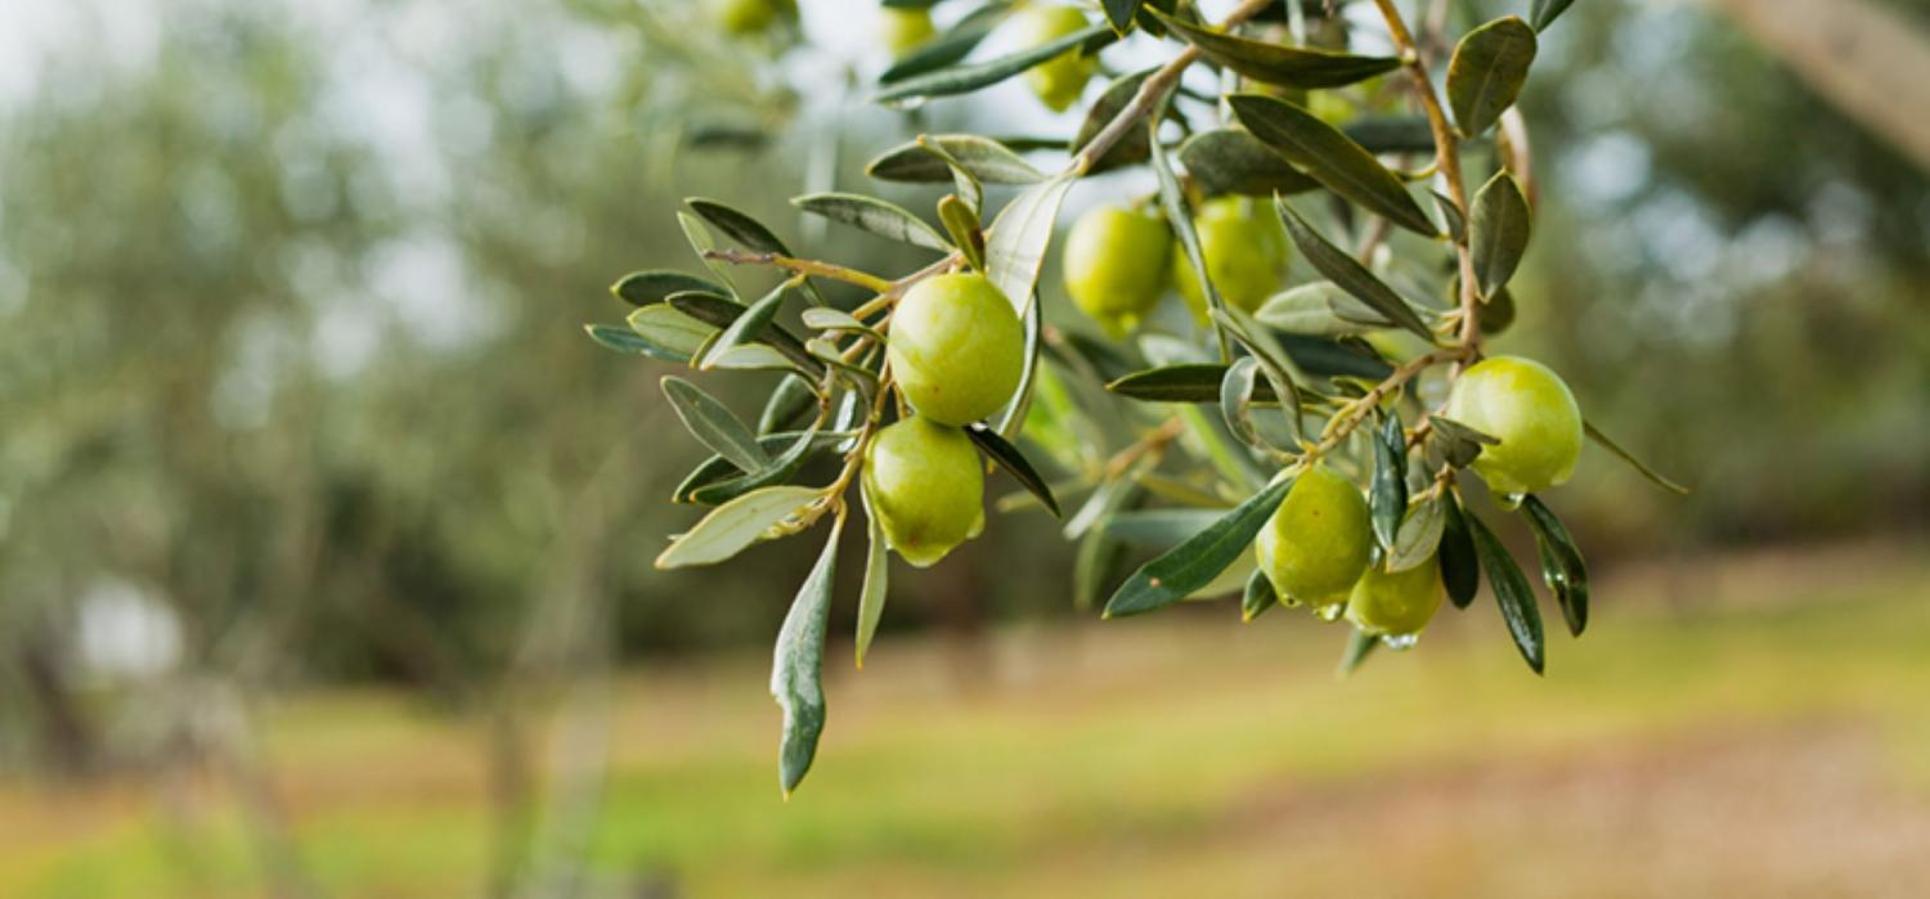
(957, 352)
(1119, 261)
(1318, 546)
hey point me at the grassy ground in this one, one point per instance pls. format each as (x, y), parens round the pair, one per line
(1765, 733)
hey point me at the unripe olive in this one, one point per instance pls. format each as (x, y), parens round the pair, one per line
(1116, 262)
(747, 17)
(1059, 81)
(926, 485)
(904, 29)
(1525, 405)
(957, 348)
(1318, 542)
(1397, 604)
(1246, 252)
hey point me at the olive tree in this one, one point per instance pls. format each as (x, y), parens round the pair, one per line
(1288, 441)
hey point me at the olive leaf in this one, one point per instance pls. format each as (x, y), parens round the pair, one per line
(1236, 398)
(1340, 267)
(1544, 12)
(982, 158)
(713, 424)
(1360, 645)
(1184, 383)
(1460, 565)
(877, 570)
(1259, 596)
(1489, 66)
(1321, 309)
(717, 469)
(1498, 234)
(963, 79)
(961, 222)
(1295, 67)
(1654, 476)
(647, 287)
(1387, 492)
(1118, 96)
(797, 666)
(1232, 161)
(1511, 593)
(1160, 529)
(1419, 536)
(1180, 215)
(1562, 568)
(1334, 358)
(776, 471)
(625, 340)
(1455, 443)
(1194, 563)
(1013, 418)
(1457, 224)
(738, 226)
(955, 44)
(793, 397)
(735, 525)
(1275, 364)
(1015, 464)
(702, 243)
(1391, 134)
(1119, 13)
(877, 216)
(723, 313)
(747, 327)
(1331, 158)
(1015, 248)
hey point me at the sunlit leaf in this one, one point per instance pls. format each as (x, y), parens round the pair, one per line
(1321, 309)
(985, 159)
(797, 666)
(877, 216)
(735, 525)
(712, 423)
(1015, 248)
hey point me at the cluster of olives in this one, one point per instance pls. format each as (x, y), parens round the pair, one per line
(957, 352)
(1318, 548)
(1119, 261)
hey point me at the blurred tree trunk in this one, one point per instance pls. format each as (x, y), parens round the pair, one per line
(1868, 61)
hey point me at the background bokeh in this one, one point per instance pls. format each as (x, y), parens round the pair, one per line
(325, 535)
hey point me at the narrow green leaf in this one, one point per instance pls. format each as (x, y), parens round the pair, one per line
(961, 222)
(1460, 565)
(1015, 248)
(1015, 464)
(717, 469)
(797, 666)
(1236, 398)
(748, 233)
(1340, 267)
(624, 340)
(1419, 537)
(955, 44)
(793, 397)
(984, 159)
(712, 423)
(1486, 74)
(1654, 476)
(1544, 12)
(1160, 529)
(1457, 224)
(879, 217)
(1360, 645)
(647, 287)
(1391, 134)
(1193, 564)
(1295, 67)
(1511, 593)
(1276, 366)
(1012, 420)
(735, 525)
(1562, 568)
(1179, 214)
(777, 471)
(963, 79)
(1232, 161)
(1457, 444)
(1387, 492)
(1119, 13)
(1320, 309)
(1331, 158)
(663, 325)
(1259, 596)
(1185, 383)
(1135, 146)
(748, 327)
(1499, 232)
(1325, 358)
(723, 313)
(701, 242)
(877, 570)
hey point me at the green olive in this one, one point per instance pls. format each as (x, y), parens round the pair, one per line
(1059, 81)
(1396, 604)
(747, 17)
(957, 348)
(904, 29)
(926, 484)
(1525, 405)
(1318, 542)
(1246, 253)
(1115, 265)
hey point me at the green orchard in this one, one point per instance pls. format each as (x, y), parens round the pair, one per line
(1399, 603)
(904, 29)
(748, 17)
(1116, 265)
(957, 349)
(1246, 252)
(1525, 405)
(1318, 542)
(926, 484)
(1059, 81)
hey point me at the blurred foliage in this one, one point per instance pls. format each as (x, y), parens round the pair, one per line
(289, 346)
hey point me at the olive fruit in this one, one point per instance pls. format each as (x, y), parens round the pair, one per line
(1115, 265)
(1059, 81)
(1318, 542)
(1399, 603)
(925, 483)
(1525, 405)
(957, 348)
(1246, 252)
(904, 29)
(747, 17)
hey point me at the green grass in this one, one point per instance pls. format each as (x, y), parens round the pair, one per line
(1180, 754)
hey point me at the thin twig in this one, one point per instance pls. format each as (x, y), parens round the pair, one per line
(803, 266)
